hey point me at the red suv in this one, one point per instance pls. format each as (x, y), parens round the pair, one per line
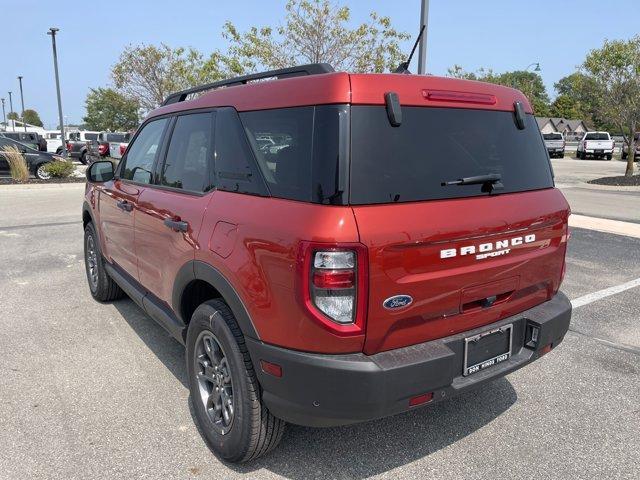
(333, 248)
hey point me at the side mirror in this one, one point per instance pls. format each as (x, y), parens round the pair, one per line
(99, 172)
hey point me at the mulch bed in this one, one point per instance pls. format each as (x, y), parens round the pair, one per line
(11, 181)
(633, 181)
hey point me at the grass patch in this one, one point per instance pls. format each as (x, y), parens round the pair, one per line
(17, 164)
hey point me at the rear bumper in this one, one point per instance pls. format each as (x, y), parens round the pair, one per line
(327, 390)
(591, 151)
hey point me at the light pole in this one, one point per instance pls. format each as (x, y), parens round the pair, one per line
(22, 101)
(13, 122)
(4, 115)
(422, 51)
(534, 64)
(52, 31)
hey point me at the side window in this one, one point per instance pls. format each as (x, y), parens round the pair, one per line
(235, 166)
(142, 152)
(189, 154)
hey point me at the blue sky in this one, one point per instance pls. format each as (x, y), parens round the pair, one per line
(498, 34)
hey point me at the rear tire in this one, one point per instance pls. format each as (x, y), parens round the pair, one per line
(624, 156)
(235, 423)
(83, 158)
(102, 286)
(609, 156)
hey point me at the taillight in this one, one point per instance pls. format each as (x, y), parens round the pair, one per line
(123, 147)
(103, 149)
(334, 285)
(68, 146)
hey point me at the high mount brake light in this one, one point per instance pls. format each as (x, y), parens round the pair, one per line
(463, 97)
(334, 285)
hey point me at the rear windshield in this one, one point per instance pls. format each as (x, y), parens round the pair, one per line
(90, 136)
(597, 136)
(115, 137)
(552, 136)
(436, 145)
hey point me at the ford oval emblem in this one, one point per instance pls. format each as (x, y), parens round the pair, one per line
(397, 301)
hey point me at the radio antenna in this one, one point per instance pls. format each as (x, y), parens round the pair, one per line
(404, 66)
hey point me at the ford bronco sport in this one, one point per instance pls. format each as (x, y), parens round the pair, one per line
(334, 248)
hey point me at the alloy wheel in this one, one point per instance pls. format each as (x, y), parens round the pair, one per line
(213, 375)
(92, 263)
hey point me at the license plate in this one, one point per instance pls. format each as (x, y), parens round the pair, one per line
(487, 349)
(598, 151)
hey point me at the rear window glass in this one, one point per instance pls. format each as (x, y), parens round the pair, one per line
(552, 136)
(437, 145)
(115, 137)
(90, 136)
(298, 151)
(597, 136)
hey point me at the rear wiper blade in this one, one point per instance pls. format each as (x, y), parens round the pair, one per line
(490, 182)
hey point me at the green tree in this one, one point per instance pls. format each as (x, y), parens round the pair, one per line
(529, 83)
(316, 31)
(565, 106)
(110, 110)
(32, 118)
(150, 73)
(13, 116)
(615, 69)
(583, 93)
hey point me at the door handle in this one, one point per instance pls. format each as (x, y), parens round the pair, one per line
(124, 206)
(176, 225)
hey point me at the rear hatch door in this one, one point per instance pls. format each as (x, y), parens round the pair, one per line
(466, 255)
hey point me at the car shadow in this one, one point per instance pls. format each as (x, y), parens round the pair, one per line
(157, 339)
(354, 451)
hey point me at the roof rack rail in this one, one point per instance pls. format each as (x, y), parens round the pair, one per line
(301, 70)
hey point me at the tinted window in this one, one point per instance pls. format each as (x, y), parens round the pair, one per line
(436, 145)
(235, 167)
(91, 136)
(597, 136)
(142, 152)
(298, 150)
(115, 137)
(552, 136)
(189, 154)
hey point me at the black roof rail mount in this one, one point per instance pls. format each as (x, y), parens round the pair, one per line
(299, 71)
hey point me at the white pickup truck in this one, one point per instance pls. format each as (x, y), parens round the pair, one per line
(596, 144)
(555, 144)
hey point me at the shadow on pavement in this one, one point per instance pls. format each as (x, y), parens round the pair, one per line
(355, 451)
(163, 345)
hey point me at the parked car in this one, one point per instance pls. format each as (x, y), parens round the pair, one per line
(406, 245)
(54, 143)
(625, 147)
(597, 145)
(555, 144)
(30, 139)
(78, 144)
(108, 144)
(36, 160)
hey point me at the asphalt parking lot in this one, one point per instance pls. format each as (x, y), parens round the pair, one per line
(91, 390)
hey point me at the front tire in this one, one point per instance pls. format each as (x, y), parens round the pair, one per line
(41, 173)
(103, 288)
(225, 392)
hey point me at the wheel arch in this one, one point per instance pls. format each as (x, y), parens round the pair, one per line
(191, 282)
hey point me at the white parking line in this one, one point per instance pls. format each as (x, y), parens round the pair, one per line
(607, 292)
(605, 225)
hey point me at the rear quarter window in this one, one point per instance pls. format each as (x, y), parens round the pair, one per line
(435, 145)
